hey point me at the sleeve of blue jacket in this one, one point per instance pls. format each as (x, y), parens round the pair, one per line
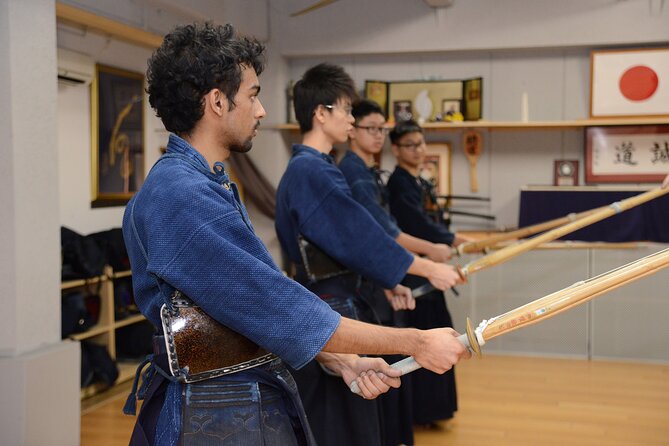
(341, 227)
(210, 252)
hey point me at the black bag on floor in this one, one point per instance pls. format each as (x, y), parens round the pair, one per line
(97, 365)
(135, 341)
(82, 257)
(113, 245)
(74, 315)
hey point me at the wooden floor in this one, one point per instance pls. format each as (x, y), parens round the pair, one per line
(515, 401)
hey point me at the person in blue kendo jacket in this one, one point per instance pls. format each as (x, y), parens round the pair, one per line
(360, 168)
(412, 203)
(331, 241)
(186, 230)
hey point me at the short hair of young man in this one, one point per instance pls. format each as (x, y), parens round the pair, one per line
(193, 60)
(402, 128)
(365, 107)
(323, 84)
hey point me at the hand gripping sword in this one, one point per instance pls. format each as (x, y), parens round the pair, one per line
(548, 306)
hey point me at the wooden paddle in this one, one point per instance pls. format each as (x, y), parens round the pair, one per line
(473, 147)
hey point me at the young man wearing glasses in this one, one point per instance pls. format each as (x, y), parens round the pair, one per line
(360, 168)
(332, 241)
(434, 396)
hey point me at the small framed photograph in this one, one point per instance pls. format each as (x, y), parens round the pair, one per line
(626, 154)
(117, 133)
(436, 167)
(402, 110)
(377, 91)
(450, 107)
(629, 83)
(565, 173)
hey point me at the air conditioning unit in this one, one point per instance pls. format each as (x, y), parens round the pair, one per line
(439, 3)
(75, 68)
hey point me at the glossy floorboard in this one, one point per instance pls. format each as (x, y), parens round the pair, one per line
(514, 401)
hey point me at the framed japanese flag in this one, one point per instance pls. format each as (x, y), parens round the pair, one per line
(629, 83)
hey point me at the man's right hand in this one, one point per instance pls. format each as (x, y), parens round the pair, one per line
(439, 252)
(665, 183)
(443, 276)
(440, 350)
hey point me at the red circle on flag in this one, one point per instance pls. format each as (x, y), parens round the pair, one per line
(638, 83)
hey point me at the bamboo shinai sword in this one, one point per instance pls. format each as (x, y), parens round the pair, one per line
(599, 214)
(566, 224)
(549, 306)
(577, 221)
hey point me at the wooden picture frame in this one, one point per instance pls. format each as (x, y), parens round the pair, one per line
(629, 83)
(436, 167)
(117, 134)
(626, 154)
(377, 91)
(402, 111)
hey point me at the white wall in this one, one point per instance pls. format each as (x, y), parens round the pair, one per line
(410, 26)
(625, 324)
(74, 131)
(556, 82)
(539, 47)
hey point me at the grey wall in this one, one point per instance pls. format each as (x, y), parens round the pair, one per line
(627, 323)
(538, 47)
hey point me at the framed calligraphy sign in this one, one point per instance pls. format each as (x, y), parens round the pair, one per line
(627, 154)
(436, 167)
(117, 133)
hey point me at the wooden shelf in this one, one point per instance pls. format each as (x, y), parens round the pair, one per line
(81, 282)
(105, 330)
(126, 372)
(516, 125)
(121, 274)
(129, 321)
(91, 332)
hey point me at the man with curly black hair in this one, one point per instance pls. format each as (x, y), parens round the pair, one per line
(189, 235)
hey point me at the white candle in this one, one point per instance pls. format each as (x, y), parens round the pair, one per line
(524, 108)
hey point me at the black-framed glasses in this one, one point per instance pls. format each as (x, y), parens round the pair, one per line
(374, 130)
(347, 109)
(413, 146)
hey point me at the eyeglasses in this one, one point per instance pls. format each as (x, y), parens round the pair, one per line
(347, 109)
(412, 146)
(373, 130)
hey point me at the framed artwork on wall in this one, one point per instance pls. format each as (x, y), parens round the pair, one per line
(629, 83)
(377, 91)
(627, 154)
(117, 133)
(436, 167)
(402, 111)
(426, 98)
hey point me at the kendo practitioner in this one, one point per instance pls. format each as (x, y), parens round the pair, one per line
(413, 204)
(331, 241)
(360, 168)
(188, 234)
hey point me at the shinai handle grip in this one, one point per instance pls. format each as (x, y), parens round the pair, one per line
(408, 364)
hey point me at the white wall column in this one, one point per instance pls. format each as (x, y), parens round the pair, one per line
(39, 374)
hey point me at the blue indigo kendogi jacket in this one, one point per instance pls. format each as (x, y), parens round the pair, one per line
(367, 191)
(186, 229)
(406, 205)
(314, 200)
